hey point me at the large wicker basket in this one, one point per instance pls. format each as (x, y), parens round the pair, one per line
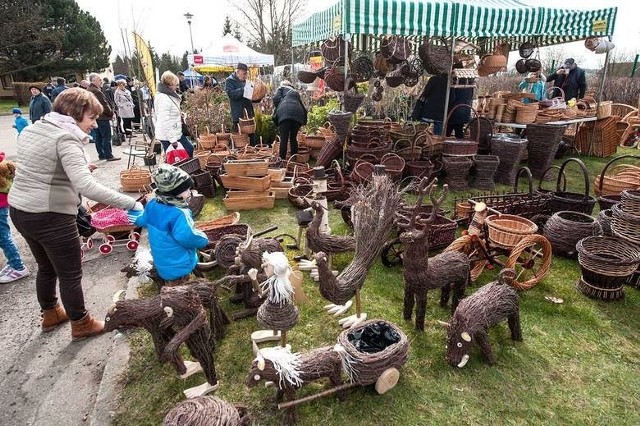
(135, 179)
(246, 125)
(507, 230)
(563, 200)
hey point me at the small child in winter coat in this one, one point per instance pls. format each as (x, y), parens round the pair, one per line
(15, 268)
(20, 121)
(173, 238)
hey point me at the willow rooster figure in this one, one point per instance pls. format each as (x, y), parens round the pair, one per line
(373, 211)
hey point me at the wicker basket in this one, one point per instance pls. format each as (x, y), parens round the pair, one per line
(419, 168)
(605, 218)
(352, 101)
(604, 109)
(565, 229)
(302, 188)
(436, 59)
(207, 225)
(314, 141)
(394, 165)
(202, 178)
(246, 183)
(246, 125)
(239, 140)
(570, 201)
(201, 156)
(207, 141)
(510, 151)
(215, 234)
(610, 187)
(526, 114)
(135, 179)
(507, 230)
(625, 225)
(630, 202)
(362, 172)
(460, 146)
(255, 168)
(190, 165)
(249, 200)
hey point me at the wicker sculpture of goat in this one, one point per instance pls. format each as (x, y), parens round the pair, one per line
(492, 303)
(421, 272)
(289, 371)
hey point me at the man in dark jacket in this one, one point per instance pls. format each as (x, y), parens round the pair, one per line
(571, 79)
(290, 115)
(103, 132)
(234, 86)
(60, 87)
(39, 105)
(430, 105)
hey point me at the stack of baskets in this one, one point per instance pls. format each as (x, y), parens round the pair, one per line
(609, 187)
(626, 217)
(457, 171)
(543, 143)
(606, 264)
(510, 149)
(565, 229)
(526, 113)
(484, 171)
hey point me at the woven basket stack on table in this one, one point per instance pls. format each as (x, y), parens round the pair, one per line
(510, 149)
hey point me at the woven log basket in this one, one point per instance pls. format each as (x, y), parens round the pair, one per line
(368, 367)
(625, 225)
(565, 229)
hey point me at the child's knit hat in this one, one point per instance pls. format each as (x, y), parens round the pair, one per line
(16, 111)
(171, 180)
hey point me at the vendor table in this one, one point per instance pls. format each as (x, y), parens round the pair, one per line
(555, 123)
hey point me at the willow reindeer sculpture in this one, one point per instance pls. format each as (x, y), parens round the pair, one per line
(373, 210)
(420, 272)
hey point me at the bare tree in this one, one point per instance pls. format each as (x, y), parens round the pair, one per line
(267, 24)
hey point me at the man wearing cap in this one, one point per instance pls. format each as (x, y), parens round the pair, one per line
(39, 105)
(234, 86)
(571, 79)
(173, 237)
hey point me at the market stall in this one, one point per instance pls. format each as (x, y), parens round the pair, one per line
(225, 53)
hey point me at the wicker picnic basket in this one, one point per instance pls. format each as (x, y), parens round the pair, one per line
(207, 140)
(563, 200)
(606, 263)
(507, 230)
(565, 229)
(246, 125)
(366, 367)
(460, 146)
(135, 179)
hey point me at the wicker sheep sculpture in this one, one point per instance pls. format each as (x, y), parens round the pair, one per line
(491, 304)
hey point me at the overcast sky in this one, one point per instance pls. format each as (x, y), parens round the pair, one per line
(167, 30)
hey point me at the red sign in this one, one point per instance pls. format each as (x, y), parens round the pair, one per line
(198, 59)
(230, 48)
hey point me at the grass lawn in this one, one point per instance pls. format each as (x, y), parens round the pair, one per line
(578, 363)
(6, 105)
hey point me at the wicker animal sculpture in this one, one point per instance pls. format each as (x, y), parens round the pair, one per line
(422, 273)
(318, 241)
(492, 303)
(207, 410)
(174, 317)
(277, 313)
(373, 210)
(290, 371)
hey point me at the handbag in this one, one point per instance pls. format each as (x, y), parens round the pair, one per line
(176, 152)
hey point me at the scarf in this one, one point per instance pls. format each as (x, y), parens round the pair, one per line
(67, 123)
(163, 88)
(171, 200)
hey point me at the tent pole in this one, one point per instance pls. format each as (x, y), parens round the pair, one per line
(346, 64)
(446, 99)
(604, 75)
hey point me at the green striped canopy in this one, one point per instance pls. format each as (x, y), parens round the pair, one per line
(480, 19)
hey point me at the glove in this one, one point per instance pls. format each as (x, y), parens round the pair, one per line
(138, 207)
(133, 215)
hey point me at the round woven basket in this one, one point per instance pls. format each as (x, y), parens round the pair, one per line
(565, 229)
(362, 172)
(631, 202)
(207, 141)
(394, 165)
(134, 179)
(368, 367)
(507, 230)
(625, 225)
(435, 58)
(526, 114)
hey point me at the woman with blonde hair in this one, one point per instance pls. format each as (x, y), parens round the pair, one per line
(168, 116)
(124, 103)
(53, 175)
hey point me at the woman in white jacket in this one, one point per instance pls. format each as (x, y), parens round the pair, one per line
(168, 115)
(124, 102)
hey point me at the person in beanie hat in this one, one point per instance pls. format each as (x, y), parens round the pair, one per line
(173, 238)
(20, 121)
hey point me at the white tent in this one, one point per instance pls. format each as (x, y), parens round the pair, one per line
(227, 52)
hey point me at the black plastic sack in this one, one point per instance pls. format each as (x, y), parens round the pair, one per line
(83, 220)
(374, 338)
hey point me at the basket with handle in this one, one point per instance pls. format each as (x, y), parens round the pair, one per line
(135, 179)
(553, 102)
(452, 146)
(612, 193)
(394, 165)
(246, 125)
(362, 172)
(333, 50)
(207, 140)
(223, 137)
(571, 201)
(407, 149)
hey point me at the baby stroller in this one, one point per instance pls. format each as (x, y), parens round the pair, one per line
(83, 220)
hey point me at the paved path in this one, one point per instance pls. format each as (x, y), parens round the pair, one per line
(45, 379)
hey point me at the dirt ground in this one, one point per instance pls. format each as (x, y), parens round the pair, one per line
(45, 379)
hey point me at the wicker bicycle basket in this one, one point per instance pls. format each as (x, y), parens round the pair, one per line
(507, 230)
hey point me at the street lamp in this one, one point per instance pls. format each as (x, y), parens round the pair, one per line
(189, 17)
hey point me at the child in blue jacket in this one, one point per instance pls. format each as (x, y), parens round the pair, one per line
(20, 121)
(173, 238)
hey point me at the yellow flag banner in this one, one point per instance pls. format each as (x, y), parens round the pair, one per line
(146, 63)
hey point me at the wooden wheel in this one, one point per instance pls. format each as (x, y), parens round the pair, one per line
(472, 248)
(392, 253)
(531, 259)
(387, 380)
